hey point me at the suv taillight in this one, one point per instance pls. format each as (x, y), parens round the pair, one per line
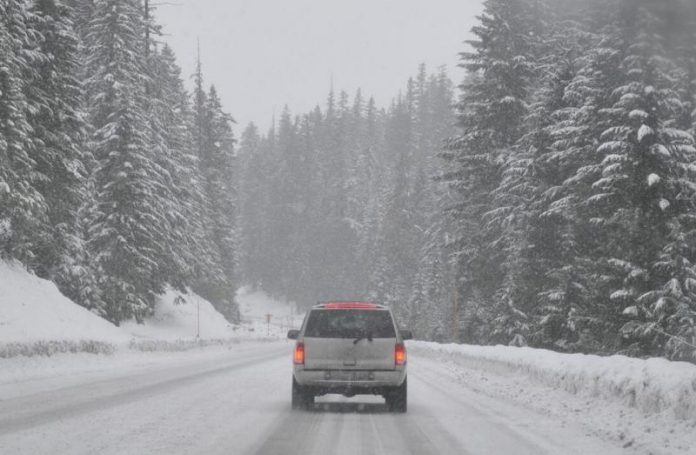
(299, 353)
(400, 354)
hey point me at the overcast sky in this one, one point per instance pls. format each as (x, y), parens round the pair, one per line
(264, 54)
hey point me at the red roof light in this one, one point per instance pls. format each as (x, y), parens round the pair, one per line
(351, 306)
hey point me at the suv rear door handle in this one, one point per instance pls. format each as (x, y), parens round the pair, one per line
(350, 363)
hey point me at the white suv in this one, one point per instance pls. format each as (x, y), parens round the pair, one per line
(349, 348)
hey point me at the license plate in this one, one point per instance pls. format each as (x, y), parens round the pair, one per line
(349, 376)
(359, 376)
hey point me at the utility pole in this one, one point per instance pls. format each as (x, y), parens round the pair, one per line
(198, 319)
(455, 308)
(268, 324)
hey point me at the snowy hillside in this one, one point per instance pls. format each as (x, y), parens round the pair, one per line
(36, 318)
(177, 317)
(174, 320)
(32, 310)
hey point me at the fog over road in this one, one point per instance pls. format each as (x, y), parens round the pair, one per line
(237, 402)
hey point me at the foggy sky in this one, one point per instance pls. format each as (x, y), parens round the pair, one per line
(264, 54)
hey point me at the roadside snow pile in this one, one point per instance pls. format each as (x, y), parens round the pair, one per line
(35, 318)
(652, 386)
(177, 317)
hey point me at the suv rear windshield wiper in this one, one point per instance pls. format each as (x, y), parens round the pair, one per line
(362, 337)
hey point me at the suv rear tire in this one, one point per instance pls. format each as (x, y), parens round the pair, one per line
(397, 398)
(301, 397)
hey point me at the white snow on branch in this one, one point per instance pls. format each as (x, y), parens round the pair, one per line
(618, 295)
(631, 311)
(659, 149)
(508, 100)
(653, 179)
(644, 132)
(638, 114)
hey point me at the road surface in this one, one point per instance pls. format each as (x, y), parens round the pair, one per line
(237, 402)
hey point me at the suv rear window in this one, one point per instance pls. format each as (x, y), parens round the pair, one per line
(349, 324)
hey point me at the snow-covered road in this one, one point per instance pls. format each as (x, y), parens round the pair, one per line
(237, 402)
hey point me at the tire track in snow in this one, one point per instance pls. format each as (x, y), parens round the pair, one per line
(507, 432)
(21, 413)
(292, 434)
(348, 427)
(493, 425)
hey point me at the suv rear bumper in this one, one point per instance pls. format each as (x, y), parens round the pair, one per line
(339, 381)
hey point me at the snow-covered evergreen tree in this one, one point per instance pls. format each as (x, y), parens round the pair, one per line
(22, 207)
(491, 112)
(58, 128)
(647, 182)
(128, 232)
(216, 158)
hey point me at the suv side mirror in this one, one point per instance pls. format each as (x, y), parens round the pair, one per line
(293, 334)
(406, 334)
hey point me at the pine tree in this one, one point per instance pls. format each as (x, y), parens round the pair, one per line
(251, 203)
(22, 207)
(397, 247)
(127, 234)
(647, 173)
(58, 129)
(491, 110)
(433, 123)
(574, 312)
(217, 166)
(171, 143)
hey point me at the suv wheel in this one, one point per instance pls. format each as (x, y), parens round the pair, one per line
(301, 398)
(397, 398)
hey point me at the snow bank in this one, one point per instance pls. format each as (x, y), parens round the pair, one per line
(652, 385)
(34, 313)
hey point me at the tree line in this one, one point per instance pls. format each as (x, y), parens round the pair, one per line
(114, 181)
(558, 214)
(575, 174)
(339, 202)
(550, 204)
